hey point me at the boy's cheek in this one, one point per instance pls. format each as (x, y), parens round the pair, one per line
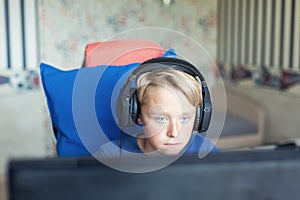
(153, 130)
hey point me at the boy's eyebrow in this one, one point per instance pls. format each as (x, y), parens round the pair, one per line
(158, 113)
(189, 112)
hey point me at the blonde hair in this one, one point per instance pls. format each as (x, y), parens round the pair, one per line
(172, 78)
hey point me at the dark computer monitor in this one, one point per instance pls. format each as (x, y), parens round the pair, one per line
(228, 175)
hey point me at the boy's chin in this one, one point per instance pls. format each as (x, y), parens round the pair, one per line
(169, 152)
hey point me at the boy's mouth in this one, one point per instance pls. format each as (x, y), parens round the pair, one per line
(172, 145)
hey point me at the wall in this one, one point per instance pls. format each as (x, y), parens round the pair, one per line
(259, 32)
(67, 26)
(18, 35)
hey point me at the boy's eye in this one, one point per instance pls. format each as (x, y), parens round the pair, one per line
(185, 119)
(161, 119)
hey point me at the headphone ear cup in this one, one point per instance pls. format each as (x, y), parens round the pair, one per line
(206, 115)
(133, 107)
(197, 122)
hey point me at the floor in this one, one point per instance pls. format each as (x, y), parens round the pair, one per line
(24, 129)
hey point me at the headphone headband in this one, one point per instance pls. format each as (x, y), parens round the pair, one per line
(168, 62)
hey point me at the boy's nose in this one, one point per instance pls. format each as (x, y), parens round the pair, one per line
(173, 129)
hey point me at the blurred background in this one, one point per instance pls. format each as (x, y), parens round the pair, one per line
(255, 44)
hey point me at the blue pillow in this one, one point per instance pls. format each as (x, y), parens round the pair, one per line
(80, 101)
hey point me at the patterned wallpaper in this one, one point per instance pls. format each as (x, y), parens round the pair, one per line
(66, 26)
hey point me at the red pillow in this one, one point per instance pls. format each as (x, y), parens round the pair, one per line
(121, 52)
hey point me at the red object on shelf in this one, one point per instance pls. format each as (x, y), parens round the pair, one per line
(121, 52)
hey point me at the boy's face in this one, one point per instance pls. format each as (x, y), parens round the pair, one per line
(168, 119)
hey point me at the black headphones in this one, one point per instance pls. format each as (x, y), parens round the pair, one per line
(127, 103)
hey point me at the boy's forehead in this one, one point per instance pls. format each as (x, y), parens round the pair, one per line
(161, 109)
(158, 88)
(160, 99)
(161, 92)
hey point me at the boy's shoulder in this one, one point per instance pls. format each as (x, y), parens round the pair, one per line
(201, 144)
(129, 143)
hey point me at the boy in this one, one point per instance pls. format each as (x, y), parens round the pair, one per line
(167, 101)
